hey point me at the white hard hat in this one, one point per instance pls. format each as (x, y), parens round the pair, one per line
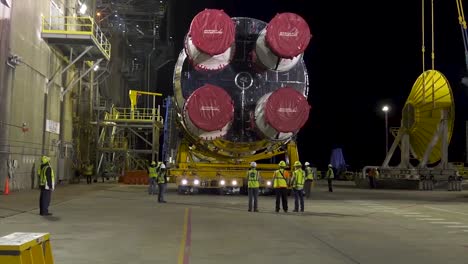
(163, 166)
(253, 164)
(307, 163)
(329, 165)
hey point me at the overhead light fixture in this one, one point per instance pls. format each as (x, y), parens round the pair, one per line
(116, 15)
(96, 68)
(98, 14)
(130, 45)
(83, 9)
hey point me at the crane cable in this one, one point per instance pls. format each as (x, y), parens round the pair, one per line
(423, 37)
(433, 51)
(432, 32)
(423, 49)
(462, 22)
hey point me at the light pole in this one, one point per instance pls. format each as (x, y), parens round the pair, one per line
(385, 109)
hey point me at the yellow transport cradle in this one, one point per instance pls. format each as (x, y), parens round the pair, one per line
(26, 248)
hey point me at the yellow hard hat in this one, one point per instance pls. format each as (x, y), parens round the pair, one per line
(297, 164)
(282, 164)
(153, 163)
(45, 159)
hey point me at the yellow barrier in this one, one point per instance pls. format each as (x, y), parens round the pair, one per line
(22, 248)
(77, 26)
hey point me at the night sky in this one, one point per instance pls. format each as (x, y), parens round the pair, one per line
(361, 56)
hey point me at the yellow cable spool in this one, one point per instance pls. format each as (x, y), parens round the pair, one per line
(431, 93)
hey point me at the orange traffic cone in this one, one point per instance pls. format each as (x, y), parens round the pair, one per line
(7, 186)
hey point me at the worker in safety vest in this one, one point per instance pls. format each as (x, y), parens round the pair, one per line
(309, 178)
(280, 184)
(46, 185)
(253, 181)
(152, 174)
(330, 176)
(88, 172)
(162, 182)
(297, 183)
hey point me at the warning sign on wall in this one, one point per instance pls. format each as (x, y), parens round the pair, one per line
(52, 126)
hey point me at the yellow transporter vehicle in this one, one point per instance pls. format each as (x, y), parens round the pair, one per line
(224, 177)
(239, 96)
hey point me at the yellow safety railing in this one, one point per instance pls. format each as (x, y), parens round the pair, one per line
(77, 26)
(137, 114)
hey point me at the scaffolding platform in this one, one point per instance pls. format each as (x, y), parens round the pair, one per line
(74, 35)
(128, 136)
(134, 116)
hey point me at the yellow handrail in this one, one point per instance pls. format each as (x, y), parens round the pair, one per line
(72, 25)
(138, 114)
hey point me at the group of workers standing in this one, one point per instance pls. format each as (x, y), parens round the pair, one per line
(157, 176)
(300, 182)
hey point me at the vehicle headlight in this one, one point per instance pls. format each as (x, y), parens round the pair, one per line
(268, 183)
(196, 182)
(234, 182)
(222, 182)
(184, 182)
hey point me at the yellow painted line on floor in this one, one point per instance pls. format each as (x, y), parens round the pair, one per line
(186, 242)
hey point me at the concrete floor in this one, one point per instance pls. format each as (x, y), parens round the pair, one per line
(110, 223)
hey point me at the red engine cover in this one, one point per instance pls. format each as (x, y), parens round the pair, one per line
(210, 108)
(287, 35)
(212, 31)
(286, 110)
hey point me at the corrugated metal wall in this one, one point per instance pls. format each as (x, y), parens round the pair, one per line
(28, 94)
(5, 72)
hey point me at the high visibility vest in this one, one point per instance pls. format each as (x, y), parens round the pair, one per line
(43, 177)
(309, 173)
(161, 177)
(299, 179)
(279, 179)
(152, 172)
(330, 174)
(252, 178)
(88, 170)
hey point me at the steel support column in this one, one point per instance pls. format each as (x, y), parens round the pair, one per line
(62, 94)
